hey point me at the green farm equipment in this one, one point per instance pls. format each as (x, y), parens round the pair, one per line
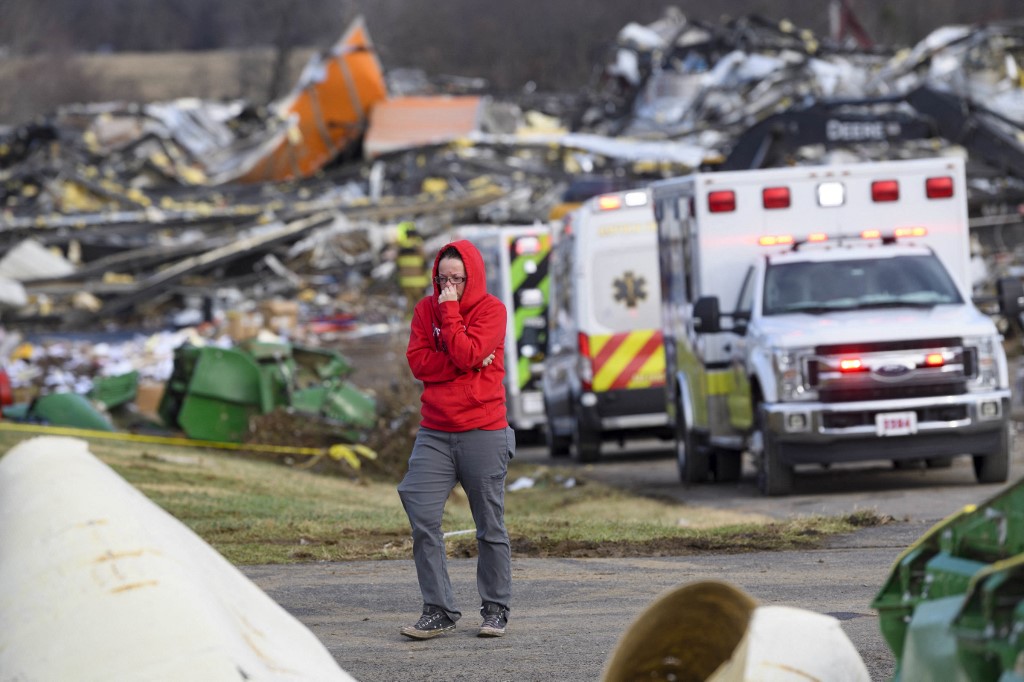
(953, 606)
(213, 393)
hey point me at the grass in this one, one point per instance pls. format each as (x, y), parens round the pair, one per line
(255, 511)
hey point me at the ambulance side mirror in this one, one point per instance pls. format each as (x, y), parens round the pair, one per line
(1010, 293)
(706, 317)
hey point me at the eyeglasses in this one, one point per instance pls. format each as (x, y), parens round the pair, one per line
(456, 279)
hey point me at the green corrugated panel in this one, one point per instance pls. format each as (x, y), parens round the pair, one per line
(973, 557)
(115, 390)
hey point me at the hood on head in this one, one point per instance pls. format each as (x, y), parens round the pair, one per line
(476, 273)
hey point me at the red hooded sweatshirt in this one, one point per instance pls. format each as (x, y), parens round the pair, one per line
(448, 343)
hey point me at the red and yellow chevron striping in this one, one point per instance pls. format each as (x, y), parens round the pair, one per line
(633, 359)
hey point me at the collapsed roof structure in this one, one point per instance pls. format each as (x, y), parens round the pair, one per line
(147, 202)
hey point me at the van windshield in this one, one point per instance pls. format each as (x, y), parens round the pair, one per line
(817, 287)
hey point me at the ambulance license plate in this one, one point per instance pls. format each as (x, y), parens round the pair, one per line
(896, 423)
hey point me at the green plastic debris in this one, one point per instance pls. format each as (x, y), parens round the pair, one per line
(213, 393)
(952, 607)
(116, 390)
(66, 409)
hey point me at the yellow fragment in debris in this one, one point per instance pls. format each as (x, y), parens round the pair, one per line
(91, 141)
(351, 454)
(138, 197)
(192, 175)
(365, 452)
(24, 351)
(83, 300)
(435, 185)
(74, 197)
(117, 278)
(341, 452)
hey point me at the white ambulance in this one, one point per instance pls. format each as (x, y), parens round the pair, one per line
(849, 333)
(605, 369)
(516, 258)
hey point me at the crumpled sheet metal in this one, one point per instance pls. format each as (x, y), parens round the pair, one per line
(704, 83)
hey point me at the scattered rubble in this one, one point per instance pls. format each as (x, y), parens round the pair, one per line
(179, 222)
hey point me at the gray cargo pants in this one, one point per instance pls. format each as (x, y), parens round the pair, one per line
(479, 461)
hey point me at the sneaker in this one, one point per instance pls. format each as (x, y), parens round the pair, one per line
(495, 620)
(432, 623)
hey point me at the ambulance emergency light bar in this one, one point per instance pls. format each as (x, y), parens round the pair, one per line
(788, 239)
(527, 245)
(611, 202)
(830, 194)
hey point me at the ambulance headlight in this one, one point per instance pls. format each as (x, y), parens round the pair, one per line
(790, 366)
(985, 353)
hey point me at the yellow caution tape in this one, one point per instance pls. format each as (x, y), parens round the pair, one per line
(349, 453)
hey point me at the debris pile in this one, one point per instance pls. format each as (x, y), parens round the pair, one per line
(225, 222)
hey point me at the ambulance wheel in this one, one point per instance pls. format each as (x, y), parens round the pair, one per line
(774, 476)
(727, 465)
(587, 438)
(994, 467)
(558, 446)
(691, 460)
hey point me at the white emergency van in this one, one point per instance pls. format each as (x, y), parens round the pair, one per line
(818, 315)
(516, 258)
(605, 369)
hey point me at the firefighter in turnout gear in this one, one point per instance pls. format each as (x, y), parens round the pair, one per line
(412, 268)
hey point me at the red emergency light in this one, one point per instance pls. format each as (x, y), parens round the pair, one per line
(722, 201)
(885, 190)
(609, 202)
(775, 197)
(851, 365)
(583, 344)
(527, 245)
(939, 188)
(934, 360)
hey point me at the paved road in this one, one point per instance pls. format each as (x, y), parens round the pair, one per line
(919, 495)
(569, 613)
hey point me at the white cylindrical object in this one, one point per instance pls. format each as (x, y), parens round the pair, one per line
(99, 583)
(787, 644)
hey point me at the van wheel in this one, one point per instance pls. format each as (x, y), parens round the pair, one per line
(587, 439)
(558, 446)
(690, 459)
(774, 476)
(727, 465)
(994, 467)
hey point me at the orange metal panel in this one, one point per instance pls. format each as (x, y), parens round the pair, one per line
(415, 121)
(327, 112)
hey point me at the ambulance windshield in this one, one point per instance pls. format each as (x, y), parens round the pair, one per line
(825, 286)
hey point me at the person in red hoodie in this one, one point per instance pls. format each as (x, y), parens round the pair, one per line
(457, 350)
